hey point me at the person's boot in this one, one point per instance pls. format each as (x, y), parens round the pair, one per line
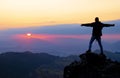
(88, 51)
(103, 56)
(102, 53)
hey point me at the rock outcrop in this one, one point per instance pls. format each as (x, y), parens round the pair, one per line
(92, 65)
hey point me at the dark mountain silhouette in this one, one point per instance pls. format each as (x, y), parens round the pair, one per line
(92, 65)
(27, 64)
(43, 65)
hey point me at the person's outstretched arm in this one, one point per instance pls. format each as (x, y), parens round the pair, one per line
(108, 25)
(87, 24)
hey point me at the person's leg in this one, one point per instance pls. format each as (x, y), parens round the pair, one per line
(90, 43)
(100, 44)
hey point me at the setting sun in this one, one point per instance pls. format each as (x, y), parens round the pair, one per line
(29, 34)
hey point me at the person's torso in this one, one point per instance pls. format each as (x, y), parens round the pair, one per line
(97, 29)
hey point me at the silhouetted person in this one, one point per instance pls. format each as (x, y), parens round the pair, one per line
(96, 32)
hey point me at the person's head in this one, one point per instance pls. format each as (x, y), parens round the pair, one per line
(96, 19)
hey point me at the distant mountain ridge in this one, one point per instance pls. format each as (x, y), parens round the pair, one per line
(35, 65)
(23, 65)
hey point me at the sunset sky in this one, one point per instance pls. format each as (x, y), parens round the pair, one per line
(25, 13)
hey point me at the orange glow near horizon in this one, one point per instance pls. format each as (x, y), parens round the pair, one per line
(54, 38)
(25, 13)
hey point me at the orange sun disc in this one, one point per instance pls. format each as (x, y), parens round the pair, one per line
(28, 34)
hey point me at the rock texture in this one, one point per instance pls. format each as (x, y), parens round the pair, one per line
(92, 65)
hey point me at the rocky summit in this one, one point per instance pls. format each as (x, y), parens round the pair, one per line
(92, 65)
